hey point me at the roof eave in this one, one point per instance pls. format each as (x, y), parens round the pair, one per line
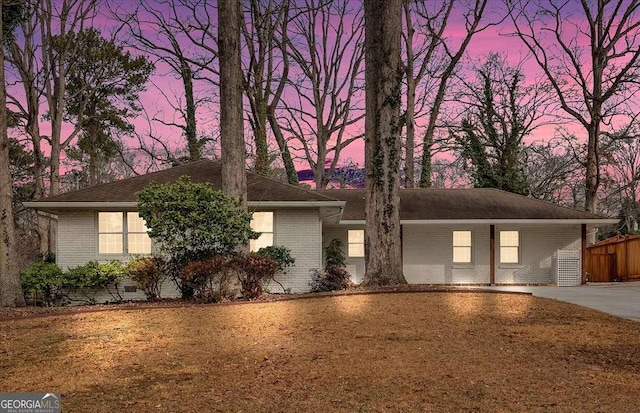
(573, 221)
(53, 206)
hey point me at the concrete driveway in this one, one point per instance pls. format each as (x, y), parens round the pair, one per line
(619, 299)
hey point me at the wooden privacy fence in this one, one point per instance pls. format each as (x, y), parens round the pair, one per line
(614, 259)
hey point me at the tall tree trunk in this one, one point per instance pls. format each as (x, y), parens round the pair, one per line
(234, 177)
(10, 288)
(383, 74)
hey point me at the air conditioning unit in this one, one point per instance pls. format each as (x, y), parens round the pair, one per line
(566, 268)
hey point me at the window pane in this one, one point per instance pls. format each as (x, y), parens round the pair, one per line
(355, 240)
(139, 244)
(462, 254)
(135, 223)
(509, 255)
(461, 238)
(356, 250)
(509, 239)
(265, 240)
(262, 222)
(110, 222)
(110, 244)
(356, 236)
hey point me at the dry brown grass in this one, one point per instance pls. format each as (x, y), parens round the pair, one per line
(385, 352)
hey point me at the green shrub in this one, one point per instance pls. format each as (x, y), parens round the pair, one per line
(335, 276)
(43, 281)
(93, 277)
(253, 270)
(192, 221)
(148, 273)
(281, 255)
(49, 257)
(334, 254)
(208, 279)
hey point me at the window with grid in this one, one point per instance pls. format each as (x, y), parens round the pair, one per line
(509, 247)
(356, 243)
(122, 231)
(462, 247)
(262, 222)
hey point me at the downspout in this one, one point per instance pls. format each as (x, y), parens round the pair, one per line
(492, 254)
(583, 252)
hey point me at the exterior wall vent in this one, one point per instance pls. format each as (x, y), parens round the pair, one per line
(567, 268)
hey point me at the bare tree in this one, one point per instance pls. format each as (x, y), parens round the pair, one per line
(422, 59)
(450, 52)
(58, 21)
(322, 106)
(553, 172)
(621, 180)
(264, 29)
(41, 55)
(234, 177)
(23, 56)
(589, 51)
(383, 74)
(500, 109)
(10, 287)
(155, 28)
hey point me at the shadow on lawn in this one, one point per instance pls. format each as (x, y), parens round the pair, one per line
(461, 350)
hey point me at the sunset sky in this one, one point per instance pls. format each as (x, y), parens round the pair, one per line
(165, 86)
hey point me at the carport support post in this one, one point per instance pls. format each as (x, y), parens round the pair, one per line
(583, 257)
(492, 254)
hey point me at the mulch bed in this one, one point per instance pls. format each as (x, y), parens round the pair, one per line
(37, 311)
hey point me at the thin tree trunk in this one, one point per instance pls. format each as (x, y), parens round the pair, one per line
(10, 288)
(409, 115)
(383, 74)
(289, 167)
(24, 62)
(234, 178)
(190, 127)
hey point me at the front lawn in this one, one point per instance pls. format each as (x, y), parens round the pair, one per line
(384, 352)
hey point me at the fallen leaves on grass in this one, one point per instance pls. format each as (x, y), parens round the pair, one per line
(383, 352)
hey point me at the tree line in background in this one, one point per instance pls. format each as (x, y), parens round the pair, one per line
(81, 73)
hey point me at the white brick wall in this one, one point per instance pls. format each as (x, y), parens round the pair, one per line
(428, 255)
(427, 251)
(537, 245)
(78, 244)
(300, 230)
(77, 238)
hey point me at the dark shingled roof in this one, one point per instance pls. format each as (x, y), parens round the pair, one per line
(259, 188)
(415, 204)
(463, 204)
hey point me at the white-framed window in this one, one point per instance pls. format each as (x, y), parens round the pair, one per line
(262, 222)
(462, 247)
(122, 232)
(138, 241)
(355, 240)
(509, 247)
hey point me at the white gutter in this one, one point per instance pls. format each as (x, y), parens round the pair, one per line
(290, 204)
(256, 204)
(595, 221)
(86, 205)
